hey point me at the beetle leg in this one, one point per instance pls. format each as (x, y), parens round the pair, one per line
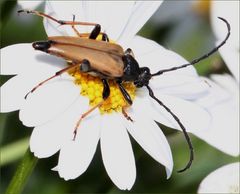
(48, 79)
(95, 32)
(93, 35)
(74, 29)
(106, 89)
(83, 116)
(61, 22)
(125, 114)
(105, 95)
(105, 37)
(124, 93)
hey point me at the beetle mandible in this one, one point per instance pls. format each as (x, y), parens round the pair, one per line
(108, 61)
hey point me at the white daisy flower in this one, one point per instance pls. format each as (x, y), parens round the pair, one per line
(223, 97)
(230, 52)
(55, 107)
(223, 100)
(223, 180)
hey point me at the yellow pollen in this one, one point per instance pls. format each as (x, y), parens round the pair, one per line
(92, 88)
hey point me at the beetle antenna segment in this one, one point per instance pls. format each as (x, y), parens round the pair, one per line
(202, 57)
(182, 127)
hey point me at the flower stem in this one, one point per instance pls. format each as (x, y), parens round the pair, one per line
(22, 173)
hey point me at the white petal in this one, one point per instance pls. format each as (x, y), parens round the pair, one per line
(75, 156)
(12, 94)
(230, 11)
(150, 54)
(147, 133)
(47, 139)
(187, 87)
(231, 57)
(227, 82)
(29, 4)
(15, 89)
(141, 12)
(230, 51)
(55, 168)
(112, 16)
(223, 105)
(215, 96)
(223, 132)
(48, 101)
(192, 116)
(223, 180)
(53, 28)
(117, 152)
(22, 58)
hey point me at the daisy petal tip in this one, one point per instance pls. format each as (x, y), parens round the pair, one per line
(67, 175)
(24, 120)
(55, 169)
(66, 179)
(32, 149)
(61, 175)
(127, 185)
(169, 169)
(39, 154)
(169, 173)
(36, 154)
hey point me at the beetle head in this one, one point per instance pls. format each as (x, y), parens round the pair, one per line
(42, 45)
(143, 78)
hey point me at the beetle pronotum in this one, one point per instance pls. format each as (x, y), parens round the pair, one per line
(108, 61)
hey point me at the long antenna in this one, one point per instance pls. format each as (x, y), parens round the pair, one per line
(191, 157)
(202, 57)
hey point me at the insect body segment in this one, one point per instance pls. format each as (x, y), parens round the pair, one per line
(109, 63)
(105, 58)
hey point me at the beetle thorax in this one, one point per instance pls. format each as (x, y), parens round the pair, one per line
(132, 72)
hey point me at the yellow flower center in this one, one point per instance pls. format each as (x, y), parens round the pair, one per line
(92, 88)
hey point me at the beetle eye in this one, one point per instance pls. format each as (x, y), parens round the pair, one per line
(42, 45)
(145, 70)
(129, 52)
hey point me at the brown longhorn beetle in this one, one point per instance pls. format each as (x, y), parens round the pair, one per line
(108, 61)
